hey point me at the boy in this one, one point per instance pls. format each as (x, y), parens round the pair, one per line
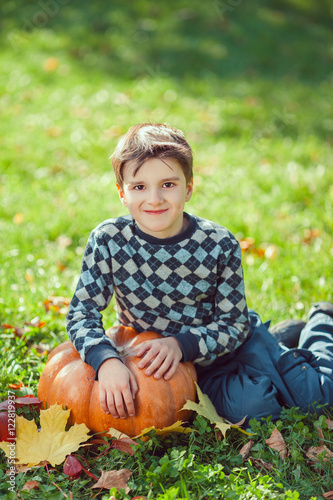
(181, 276)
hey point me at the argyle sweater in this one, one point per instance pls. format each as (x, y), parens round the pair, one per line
(189, 286)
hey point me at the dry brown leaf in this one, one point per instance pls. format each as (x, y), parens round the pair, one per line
(329, 423)
(31, 485)
(310, 235)
(321, 435)
(315, 451)
(276, 442)
(114, 479)
(24, 468)
(245, 450)
(260, 464)
(246, 243)
(58, 305)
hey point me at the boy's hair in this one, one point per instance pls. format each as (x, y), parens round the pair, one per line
(152, 140)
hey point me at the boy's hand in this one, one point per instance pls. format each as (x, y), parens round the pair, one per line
(160, 356)
(117, 388)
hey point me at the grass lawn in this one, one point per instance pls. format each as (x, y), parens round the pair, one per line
(251, 86)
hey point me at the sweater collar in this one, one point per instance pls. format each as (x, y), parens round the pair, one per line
(173, 239)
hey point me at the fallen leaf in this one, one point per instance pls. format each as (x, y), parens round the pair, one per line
(18, 218)
(7, 432)
(18, 332)
(31, 485)
(314, 452)
(206, 409)
(24, 468)
(176, 427)
(28, 400)
(42, 348)
(51, 64)
(53, 131)
(329, 423)
(114, 479)
(328, 495)
(246, 243)
(72, 467)
(271, 252)
(58, 305)
(29, 277)
(15, 387)
(61, 266)
(116, 434)
(64, 241)
(276, 442)
(321, 435)
(310, 235)
(245, 450)
(36, 323)
(121, 445)
(260, 464)
(52, 443)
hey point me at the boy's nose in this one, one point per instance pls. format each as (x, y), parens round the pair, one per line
(155, 197)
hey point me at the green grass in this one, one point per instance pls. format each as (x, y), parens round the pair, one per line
(250, 85)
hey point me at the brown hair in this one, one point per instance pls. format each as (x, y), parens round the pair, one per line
(152, 140)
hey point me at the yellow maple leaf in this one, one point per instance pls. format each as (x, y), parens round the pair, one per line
(206, 409)
(176, 427)
(51, 444)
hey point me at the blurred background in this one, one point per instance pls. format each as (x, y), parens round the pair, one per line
(249, 83)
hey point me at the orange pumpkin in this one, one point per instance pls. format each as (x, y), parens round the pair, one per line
(67, 380)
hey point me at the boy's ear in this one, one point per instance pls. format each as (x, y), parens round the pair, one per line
(189, 190)
(121, 194)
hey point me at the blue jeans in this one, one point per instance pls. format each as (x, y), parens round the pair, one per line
(261, 376)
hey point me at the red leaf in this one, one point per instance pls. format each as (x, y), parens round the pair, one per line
(7, 427)
(123, 444)
(15, 387)
(90, 474)
(72, 467)
(27, 400)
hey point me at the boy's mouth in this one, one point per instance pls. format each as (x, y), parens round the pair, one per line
(155, 212)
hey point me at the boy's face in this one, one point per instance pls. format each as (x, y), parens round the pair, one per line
(155, 196)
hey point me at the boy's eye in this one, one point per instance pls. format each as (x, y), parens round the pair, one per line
(139, 187)
(168, 184)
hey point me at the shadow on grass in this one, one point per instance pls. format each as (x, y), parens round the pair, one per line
(218, 38)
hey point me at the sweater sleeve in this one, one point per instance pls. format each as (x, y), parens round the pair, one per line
(228, 327)
(92, 295)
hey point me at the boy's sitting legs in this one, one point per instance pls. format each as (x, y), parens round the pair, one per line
(261, 376)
